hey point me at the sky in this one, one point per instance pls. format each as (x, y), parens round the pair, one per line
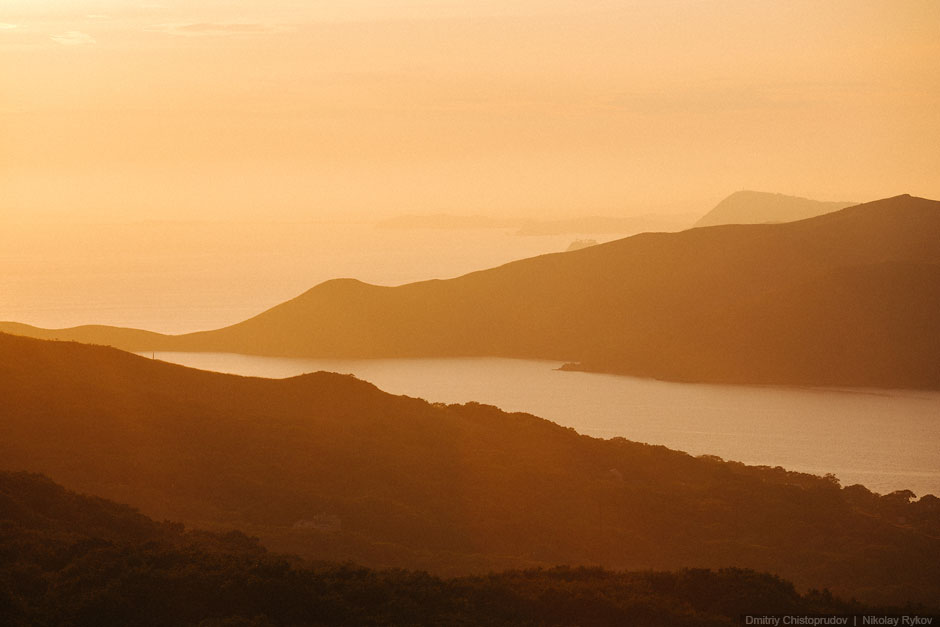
(323, 109)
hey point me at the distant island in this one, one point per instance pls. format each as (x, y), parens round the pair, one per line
(331, 468)
(578, 244)
(748, 207)
(848, 298)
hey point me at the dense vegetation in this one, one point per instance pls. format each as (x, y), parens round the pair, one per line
(332, 468)
(70, 560)
(846, 298)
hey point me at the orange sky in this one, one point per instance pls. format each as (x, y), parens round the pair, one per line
(296, 109)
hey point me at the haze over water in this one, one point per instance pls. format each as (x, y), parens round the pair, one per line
(286, 177)
(177, 277)
(883, 439)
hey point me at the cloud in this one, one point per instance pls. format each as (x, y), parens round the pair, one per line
(197, 29)
(73, 38)
(5, 26)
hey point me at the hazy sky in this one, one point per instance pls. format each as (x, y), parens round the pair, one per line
(303, 109)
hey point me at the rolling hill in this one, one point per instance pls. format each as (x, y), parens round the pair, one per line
(748, 207)
(332, 468)
(70, 559)
(849, 298)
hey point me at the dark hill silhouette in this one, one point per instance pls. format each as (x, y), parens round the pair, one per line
(748, 207)
(843, 299)
(90, 334)
(70, 559)
(330, 467)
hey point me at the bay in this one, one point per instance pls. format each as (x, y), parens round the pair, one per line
(882, 439)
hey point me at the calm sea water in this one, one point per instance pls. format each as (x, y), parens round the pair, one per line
(886, 440)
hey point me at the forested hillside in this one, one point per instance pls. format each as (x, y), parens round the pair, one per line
(330, 467)
(75, 560)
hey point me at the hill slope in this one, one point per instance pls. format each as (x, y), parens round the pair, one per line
(848, 298)
(748, 207)
(76, 560)
(333, 468)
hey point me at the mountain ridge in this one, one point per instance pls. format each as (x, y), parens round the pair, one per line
(71, 559)
(332, 468)
(704, 305)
